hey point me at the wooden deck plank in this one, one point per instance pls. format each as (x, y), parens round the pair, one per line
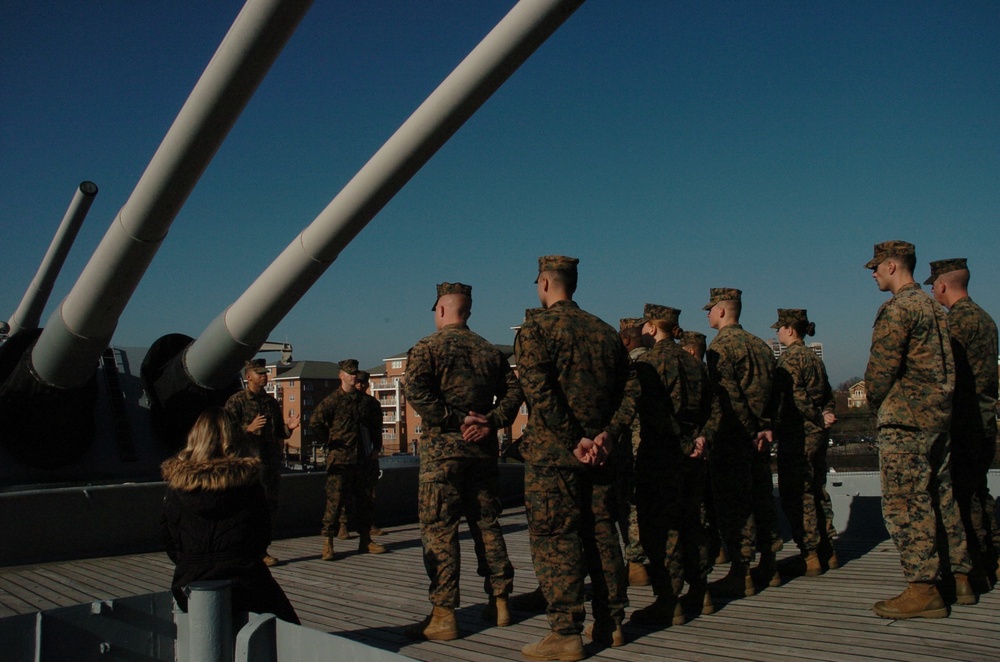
(370, 598)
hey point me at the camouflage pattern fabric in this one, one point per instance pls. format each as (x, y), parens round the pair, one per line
(804, 395)
(449, 490)
(802, 469)
(973, 426)
(910, 379)
(337, 422)
(624, 463)
(344, 482)
(448, 374)
(918, 502)
(741, 367)
(571, 529)
(267, 442)
(573, 369)
(910, 376)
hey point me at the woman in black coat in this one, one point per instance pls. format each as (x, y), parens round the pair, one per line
(215, 520)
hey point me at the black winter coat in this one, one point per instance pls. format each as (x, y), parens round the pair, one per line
(215, 525)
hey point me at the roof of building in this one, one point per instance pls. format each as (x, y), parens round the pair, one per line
(308, 370)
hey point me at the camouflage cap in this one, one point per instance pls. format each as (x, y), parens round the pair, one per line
(790, 316)
(451, 288)
(717, 294)
(256, 365)
(939, 267)
(350, 366)
(692, 338)
(364, 376)
(652, 311)
(629, 322)
(889, 249)
(557, 263)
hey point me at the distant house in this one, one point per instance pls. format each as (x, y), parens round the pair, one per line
(857, 396)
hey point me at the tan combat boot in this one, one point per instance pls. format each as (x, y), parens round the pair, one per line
(439, 626)
(497, 611)
(371, 547)
(606, 632)
(555, 646)
(327, 548)
(637, 574)
(342, 533)
(964, 595)
(665, 610)
(767, 570)
(813, 566)
(698, 599)
(737, 584)
(919, 600)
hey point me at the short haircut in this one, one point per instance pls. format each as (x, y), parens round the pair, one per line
(564, 279)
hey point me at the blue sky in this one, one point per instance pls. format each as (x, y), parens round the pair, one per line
(671, 146)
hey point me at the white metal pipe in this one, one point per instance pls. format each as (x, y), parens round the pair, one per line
(29, 312)
(220, 350)
(210, 621)
(80, 329)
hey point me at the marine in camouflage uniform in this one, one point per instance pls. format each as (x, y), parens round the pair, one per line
(668, 490)
(805, 411)
(266, 436)
(741, 367)
(573, 370)
(342, 422)
(370, 469)
(973, 423)
(464, 391)
(630, 331)
(909, 380)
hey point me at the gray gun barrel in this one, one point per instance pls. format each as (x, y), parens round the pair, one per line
(77, 333)
(58, 372)
(29, 312)
(236, 334)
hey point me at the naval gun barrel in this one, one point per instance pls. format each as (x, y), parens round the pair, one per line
(81, 328)
(48, 393)
(29, 312)
(235, 335)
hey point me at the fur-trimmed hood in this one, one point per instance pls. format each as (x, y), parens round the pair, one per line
(211, 475)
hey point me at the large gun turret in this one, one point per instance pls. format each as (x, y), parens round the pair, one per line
(29, 312)
(183, 385)
(47, 395)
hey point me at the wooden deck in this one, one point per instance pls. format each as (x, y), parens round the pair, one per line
(371, 598)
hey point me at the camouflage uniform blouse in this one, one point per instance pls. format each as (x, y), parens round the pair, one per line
(741, 367)
(267, 441)
(573, 368)
(974, 344)
(337, 422)
(450, 373)
(671, 407)
(911, 371)
(803, 392)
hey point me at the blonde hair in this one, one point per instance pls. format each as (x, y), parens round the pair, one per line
(213, 436)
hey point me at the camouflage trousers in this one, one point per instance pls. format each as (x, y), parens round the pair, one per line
(802, 484)
(696, 549)
(628, 518)
(270, 478)
(450, 490)
(658, 497)
(744, 501)
(571, 526)
(369, 478)
(343, 480)
(918, 502)
(972, 454)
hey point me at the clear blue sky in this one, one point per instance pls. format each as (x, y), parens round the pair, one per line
(671, 146)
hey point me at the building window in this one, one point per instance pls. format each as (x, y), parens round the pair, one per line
(291, 382)
(524, 409)
(291, 398)
(418, 429)
(397, 364)
(522, 427)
